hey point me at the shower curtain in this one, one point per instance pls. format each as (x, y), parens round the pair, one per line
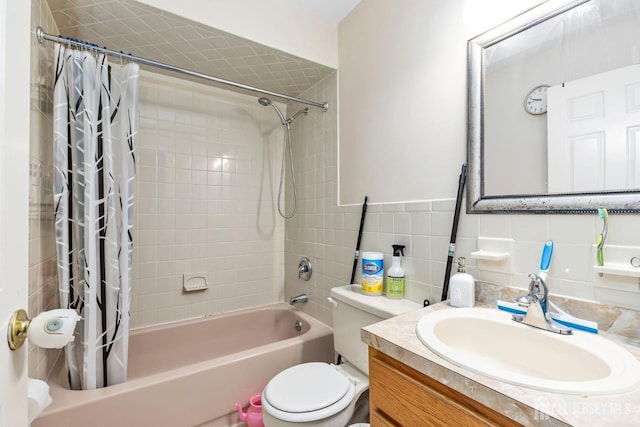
(95, 121)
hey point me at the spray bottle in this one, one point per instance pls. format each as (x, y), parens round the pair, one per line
(395, 274)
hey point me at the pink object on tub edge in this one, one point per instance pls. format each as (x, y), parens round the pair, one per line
(191, 373)
(253, 416)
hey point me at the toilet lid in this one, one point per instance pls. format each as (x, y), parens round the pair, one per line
(306, 387)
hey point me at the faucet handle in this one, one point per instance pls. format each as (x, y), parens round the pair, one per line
(304, 269)
(536, 303)
(534, 284)
(535, 295)
(538, 289)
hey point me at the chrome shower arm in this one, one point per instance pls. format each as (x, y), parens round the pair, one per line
(304, 111)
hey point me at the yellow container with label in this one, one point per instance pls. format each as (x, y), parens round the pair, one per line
(372, 273)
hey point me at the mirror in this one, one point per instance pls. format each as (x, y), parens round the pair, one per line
(554, 110)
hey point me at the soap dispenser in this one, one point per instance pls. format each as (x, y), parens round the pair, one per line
(462, 287)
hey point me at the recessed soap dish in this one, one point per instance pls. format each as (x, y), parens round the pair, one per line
(494, 254)
(194, 282)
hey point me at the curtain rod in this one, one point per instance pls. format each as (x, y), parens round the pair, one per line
(42, 36)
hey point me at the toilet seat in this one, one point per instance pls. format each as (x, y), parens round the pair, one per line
(308, 392)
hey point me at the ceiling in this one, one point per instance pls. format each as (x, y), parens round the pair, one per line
(331, 10)
(151, 33)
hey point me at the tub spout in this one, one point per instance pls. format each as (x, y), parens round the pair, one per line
(299, 298)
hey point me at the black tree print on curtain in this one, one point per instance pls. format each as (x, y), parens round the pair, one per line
(95, 134)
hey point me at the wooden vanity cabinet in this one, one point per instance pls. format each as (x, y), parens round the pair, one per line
(401, 396)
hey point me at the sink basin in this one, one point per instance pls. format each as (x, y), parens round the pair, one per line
(488, 342)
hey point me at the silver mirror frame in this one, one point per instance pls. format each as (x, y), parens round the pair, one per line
(578, 203)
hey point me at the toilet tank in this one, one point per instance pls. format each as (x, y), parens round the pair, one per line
(352, 312)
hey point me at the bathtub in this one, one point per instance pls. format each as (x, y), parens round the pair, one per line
(191, 373)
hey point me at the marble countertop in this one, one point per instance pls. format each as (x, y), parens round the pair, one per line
(397, 338)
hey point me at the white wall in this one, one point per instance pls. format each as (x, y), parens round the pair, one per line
(403, 95)
(280, 24)
(402, 92)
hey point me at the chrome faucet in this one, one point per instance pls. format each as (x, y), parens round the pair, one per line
(304, 269)
(298, 298)
(536, 304)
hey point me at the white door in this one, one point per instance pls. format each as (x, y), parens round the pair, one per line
(14, 199)
(593, 127)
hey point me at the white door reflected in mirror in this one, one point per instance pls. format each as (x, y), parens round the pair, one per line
(593, 132)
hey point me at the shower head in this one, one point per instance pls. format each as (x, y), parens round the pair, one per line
(266, 102)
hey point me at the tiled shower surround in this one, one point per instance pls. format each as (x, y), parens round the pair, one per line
(207, 180)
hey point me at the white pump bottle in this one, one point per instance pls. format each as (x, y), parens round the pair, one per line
(462, 287)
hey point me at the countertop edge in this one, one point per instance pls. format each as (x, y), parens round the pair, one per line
(396, 337)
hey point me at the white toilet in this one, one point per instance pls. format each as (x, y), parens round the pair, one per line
(319, 394)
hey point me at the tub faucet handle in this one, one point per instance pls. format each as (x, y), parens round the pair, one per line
(304, 269)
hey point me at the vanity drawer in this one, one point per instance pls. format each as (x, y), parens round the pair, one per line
(401, 396)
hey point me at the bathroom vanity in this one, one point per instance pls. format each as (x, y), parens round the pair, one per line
(400, 395)
(410, 384)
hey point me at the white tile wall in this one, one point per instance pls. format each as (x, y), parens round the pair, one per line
(327, 233)
(209, 162)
